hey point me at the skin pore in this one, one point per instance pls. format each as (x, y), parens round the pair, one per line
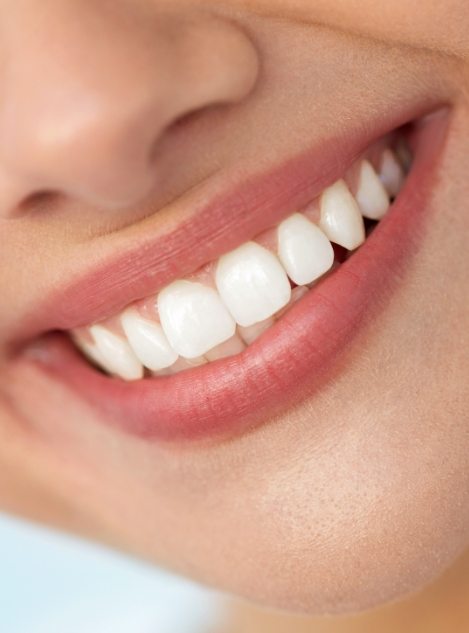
(358, 494)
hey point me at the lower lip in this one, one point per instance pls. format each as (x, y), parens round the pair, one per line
(288, 363)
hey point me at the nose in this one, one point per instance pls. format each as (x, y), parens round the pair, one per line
(89, 89)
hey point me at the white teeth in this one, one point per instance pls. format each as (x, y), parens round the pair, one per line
(371, 195)
(148, 341)
(391, 173)
(193, 318)
(341, 219)
(115, 354)
(252, 283)
(228, 304)
(303, 249)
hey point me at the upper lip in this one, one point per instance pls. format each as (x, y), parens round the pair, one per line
(231, 216)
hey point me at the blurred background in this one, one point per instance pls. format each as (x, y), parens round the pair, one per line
(51, 583)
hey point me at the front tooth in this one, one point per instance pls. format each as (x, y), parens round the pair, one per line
(193, 318)
(252, 283)
(391, 173)
(303, 249)
(148, 341)
(115, 354)
(341, 219)
(371, 195)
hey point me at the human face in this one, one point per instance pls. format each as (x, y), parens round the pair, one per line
(325, 467)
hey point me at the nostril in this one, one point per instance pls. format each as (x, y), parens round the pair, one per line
(37, 202)
(92, 132)
(181, 125)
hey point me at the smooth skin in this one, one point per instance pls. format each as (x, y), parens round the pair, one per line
(359, 495)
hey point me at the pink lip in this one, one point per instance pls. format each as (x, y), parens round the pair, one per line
(294, 357)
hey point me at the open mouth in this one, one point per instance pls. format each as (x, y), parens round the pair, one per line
(224, 307)
(220, 348)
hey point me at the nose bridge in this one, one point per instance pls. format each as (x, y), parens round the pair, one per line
(87, 93)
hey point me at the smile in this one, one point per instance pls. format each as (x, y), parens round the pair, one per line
(220, 310)
(211, 350)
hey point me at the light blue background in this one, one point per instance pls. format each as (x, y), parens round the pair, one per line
(51, 583)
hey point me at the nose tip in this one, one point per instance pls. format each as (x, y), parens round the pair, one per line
(87, 123)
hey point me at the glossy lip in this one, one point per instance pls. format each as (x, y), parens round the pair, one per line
(295, 356)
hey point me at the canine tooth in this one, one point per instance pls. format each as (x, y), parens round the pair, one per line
(233, 346)
(371, 195)
(252, 332)
(252, 283)
(194, 318)
(148, 341)
(116, 355)
(391, 173)
(303, 249)
(341, 219)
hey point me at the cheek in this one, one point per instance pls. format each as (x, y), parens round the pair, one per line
(429, 24)
(351, 526)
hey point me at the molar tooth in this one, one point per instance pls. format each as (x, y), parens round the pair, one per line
(304, 250)
(391, 173)
(371, 195)
(148, 341)
(194, 318)
(252, 283)
(115, 354)
(341, 219)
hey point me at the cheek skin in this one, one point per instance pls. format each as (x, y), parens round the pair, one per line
(435, 25)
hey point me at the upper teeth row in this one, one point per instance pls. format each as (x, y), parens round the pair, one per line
(193, 322)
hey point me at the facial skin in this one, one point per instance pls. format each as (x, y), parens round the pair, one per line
(353, 497)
